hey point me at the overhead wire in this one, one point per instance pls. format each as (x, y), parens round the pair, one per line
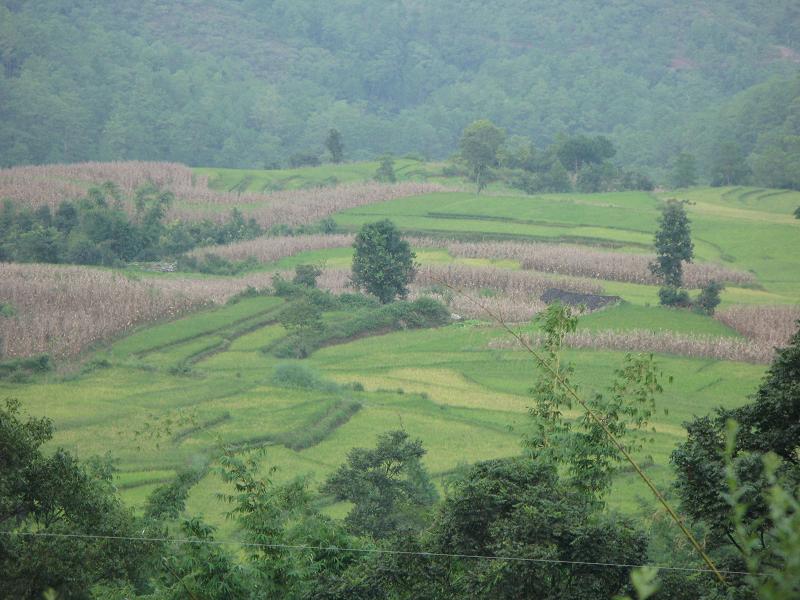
(388, 551)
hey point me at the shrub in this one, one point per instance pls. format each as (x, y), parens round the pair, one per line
(300, 376)
(708, 299)
(213, 264)
(287, 289)
(670, 296)
(304, 159)
(357, 301)
(301, 317)
(385, 171)
(306, 275)
(424, 312)
(19, 369)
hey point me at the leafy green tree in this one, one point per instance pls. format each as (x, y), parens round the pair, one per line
(383, 263)
(576, 151)
(520, 507)
(768, 424)
(335, 146)
(305, 274)
(43, 494)
(584, 448)
(387, 485)
(385, 171)
(684, 171)
(673, 243)
(479, 146)
(729, 166)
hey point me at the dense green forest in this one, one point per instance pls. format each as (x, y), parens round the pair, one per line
(249, 84)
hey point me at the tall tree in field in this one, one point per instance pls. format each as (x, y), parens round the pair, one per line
(684, 171)
(673, 243)
(335, 145)
(383, 263)
(479, 145)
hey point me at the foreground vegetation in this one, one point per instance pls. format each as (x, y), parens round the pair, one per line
(181, 387)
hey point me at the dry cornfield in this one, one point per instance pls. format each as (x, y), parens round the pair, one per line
(62, 310)
(49, 185)
(586, 262)
(769, 325)
(35, 186)
(292, 207)
(271, 249)
(499, 280)
(666, 342)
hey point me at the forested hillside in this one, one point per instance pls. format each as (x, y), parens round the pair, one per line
(248, 83)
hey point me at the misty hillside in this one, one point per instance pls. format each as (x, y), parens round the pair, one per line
(249, 83)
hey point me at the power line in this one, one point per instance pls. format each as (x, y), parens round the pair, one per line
(359, 550)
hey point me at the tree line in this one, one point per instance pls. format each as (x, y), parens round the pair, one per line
(399, 78)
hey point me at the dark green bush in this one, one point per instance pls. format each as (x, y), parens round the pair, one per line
(324, 300)
(708, 300)
(301, 376)
(347, 301)
(19, 369)
(306, 275)
(670, 296)
(213, 264)
(423, 312)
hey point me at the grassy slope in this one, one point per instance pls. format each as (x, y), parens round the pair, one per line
(261, 180)
(743, 239)
(476, 400)
(475, 406)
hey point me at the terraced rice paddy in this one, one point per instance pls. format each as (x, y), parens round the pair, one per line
(161, 398)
